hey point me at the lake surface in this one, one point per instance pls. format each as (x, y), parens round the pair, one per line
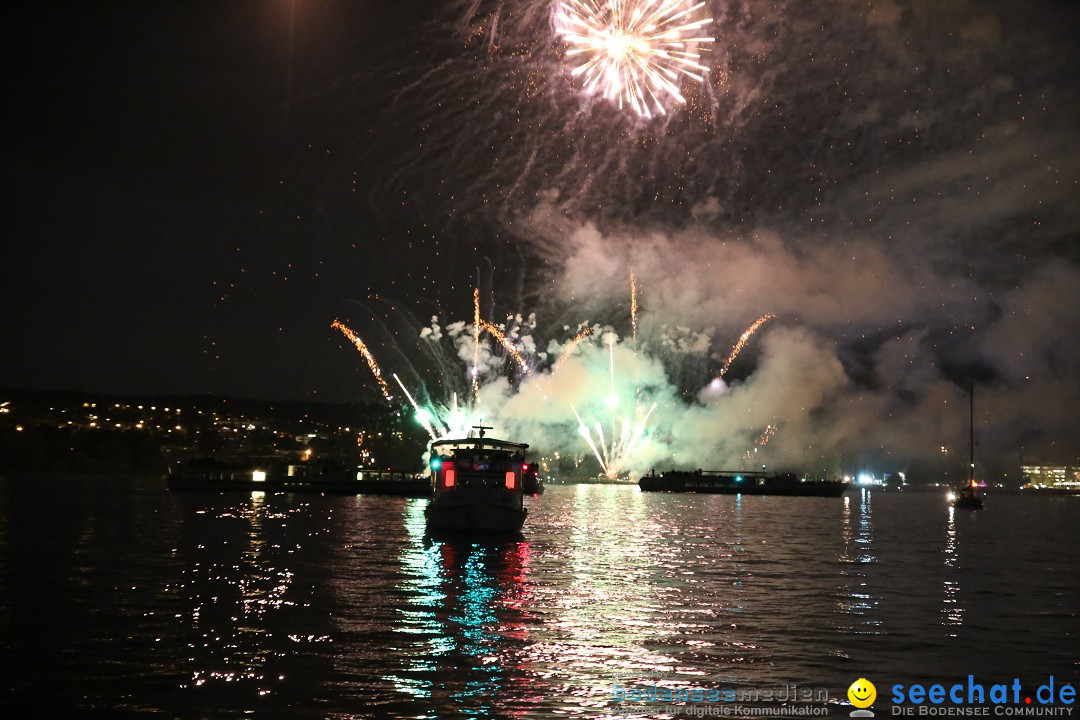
(119, 596)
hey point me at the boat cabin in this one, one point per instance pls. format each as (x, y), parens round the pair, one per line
(475, 463)
(478, 485)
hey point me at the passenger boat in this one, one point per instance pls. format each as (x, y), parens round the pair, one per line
(478, 485)
(208, 475)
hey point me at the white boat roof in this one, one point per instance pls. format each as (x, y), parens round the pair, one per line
(451, 444)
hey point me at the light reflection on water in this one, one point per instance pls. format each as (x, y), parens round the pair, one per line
(952, 608)
(857, 598)
(306, 606)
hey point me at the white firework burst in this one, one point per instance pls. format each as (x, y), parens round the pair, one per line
(635, 52)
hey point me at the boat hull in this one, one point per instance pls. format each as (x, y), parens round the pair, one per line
(968, 500)
(735, 484)
(475, 518)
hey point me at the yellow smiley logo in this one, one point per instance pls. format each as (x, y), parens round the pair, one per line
(862, 693)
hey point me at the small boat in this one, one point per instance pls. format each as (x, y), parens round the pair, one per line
(969, 496)
(478, 485)
(531, 484)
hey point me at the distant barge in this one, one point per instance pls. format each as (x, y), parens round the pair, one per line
(727, 482)
(343, 482)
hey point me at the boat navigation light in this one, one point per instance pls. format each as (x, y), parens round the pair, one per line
(436, 463)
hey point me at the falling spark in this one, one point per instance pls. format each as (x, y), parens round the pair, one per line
(743, 339)
(497, 334)
(423, 415)
(613, 456)
(475, 370)
(613, 399)
(633, 304)
(375, 370)
(761, 442)
(457, 422)
(570, 348)
(583, 430)
(634, 52)
(626, 435)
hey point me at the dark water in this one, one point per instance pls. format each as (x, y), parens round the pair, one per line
(122, 597)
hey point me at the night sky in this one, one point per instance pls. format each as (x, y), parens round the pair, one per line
(150, 170)
(197, 190)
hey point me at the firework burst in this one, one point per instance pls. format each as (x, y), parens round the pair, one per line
(634, 52)
(616, 452)
(508, 374)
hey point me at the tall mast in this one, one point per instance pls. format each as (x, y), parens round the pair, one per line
(971, 419)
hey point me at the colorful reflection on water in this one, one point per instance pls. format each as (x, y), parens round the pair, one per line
(204, 605)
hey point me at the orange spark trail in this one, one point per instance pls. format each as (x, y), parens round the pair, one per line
(475, 370)
(633, 303)
(743, 339)
(495, 333)
(570, 348)
(375, 370)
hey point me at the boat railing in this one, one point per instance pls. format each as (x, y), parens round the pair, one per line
(385, 475)
(728, 474)
(221, 475)
(254, 474)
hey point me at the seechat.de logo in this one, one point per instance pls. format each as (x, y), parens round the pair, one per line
(862, 694)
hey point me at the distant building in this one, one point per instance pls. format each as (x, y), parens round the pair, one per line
(1057, 477)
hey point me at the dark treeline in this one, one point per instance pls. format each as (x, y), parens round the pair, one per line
(51, 449)
(71, 431)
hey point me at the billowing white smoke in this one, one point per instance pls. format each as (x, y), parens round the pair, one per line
(868, 361)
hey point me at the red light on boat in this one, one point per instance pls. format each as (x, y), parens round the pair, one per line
(511, 480)
(449, 477)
